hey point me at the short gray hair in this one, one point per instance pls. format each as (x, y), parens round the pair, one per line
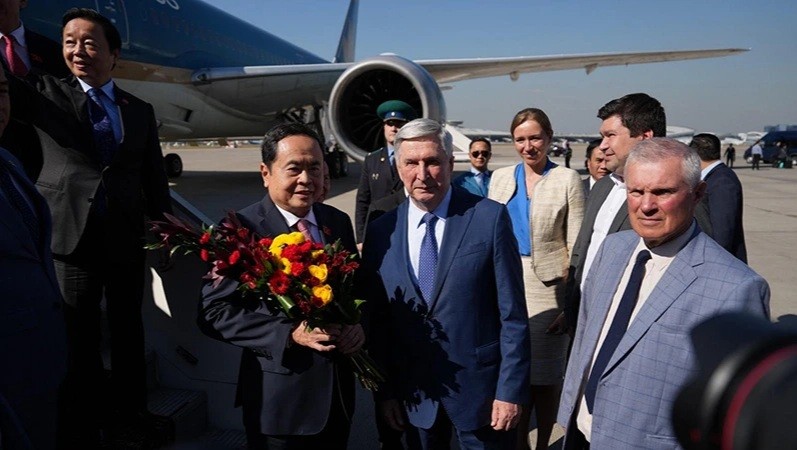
(657, 149)
(424, 128)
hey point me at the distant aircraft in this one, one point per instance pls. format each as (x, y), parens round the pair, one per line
(209, 74)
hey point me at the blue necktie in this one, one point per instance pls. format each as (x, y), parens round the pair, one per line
(104, 138)
(480, 183)
(18, 202)
(427, 263)
(618, 328)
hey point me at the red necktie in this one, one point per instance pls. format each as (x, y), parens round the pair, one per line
(15, 64)
(304, 227)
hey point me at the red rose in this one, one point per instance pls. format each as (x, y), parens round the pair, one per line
(243, 233)
(251, 285)
(205, 238)
(317, 302)
(297, 268)
(265, 242)
(204, 255)
(292, 253)
(234, 257)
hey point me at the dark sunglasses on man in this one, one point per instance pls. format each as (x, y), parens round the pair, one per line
(478, 153)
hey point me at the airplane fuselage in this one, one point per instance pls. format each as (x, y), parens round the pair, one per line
(164, 42)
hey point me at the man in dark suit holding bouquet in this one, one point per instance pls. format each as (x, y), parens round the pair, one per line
(294, 390)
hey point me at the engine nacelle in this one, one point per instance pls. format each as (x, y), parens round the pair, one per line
(364, 86)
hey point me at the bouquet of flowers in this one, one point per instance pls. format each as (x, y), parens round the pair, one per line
(306, 280)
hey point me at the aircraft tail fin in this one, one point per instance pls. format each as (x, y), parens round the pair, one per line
(348, 37)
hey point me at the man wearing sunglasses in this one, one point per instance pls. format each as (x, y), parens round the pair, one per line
(477, 180)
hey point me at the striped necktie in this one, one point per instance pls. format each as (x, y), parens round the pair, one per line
(303, 225)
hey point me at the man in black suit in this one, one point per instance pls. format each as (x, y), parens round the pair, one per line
(294, 390)
(102, 173)
(379, 177)
(30, 52)
(32, 335)
(723, 195)
(596, 166)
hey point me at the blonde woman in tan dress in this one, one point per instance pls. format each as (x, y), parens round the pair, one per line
(546, 205)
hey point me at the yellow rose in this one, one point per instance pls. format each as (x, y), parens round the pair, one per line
(319, 272)
(324, 292)
(317, 253)
(285, 239)
(286, 265)
(295, 238)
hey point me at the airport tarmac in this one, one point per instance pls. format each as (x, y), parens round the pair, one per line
(216, 180)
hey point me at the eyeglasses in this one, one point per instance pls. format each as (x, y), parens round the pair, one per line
(477, 154)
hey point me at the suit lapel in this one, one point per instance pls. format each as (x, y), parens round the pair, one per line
(503, 185)
(271, 221)
(399, 243)
(328, 229)
(678, 277)
(81, 104)
(459, 217)
(126, 113)
(620, 217)
(605, 290)
(597, 196)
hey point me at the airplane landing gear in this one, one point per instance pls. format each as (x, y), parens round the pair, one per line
(173, 165)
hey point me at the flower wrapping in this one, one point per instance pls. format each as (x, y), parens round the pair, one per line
(305, 280)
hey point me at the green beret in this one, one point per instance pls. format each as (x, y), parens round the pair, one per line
(396, 110)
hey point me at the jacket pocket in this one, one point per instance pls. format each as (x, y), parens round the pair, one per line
(471, 249)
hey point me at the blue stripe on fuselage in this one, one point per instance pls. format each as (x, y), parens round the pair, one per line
(188, 34)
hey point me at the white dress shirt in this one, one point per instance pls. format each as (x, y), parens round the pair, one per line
(660, 259)
(603, 221)
(416, 230)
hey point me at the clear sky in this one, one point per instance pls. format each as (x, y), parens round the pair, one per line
(731, 94)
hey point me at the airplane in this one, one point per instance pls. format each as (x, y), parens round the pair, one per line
(211, 75)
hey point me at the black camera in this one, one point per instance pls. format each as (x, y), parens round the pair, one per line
(745, 394)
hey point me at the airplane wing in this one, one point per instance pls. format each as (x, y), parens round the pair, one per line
(451, 70)
(245, 88)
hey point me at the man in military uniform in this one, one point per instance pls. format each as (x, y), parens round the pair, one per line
(379, 177)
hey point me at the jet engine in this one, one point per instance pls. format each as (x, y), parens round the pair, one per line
(364, 86)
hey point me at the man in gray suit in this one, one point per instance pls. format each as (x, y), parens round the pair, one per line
(646, 290)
